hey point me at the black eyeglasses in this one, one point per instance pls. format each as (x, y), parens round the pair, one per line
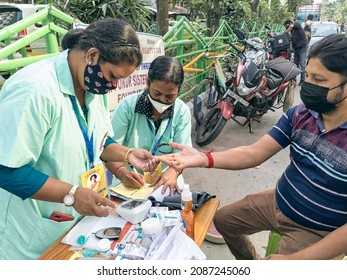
(165, 148)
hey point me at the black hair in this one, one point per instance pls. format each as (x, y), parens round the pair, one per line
(332, 52)
(288, 21)
(166, 69)
(309, 17)
(115, 39)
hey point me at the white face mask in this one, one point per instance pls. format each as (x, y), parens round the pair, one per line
(160, 107)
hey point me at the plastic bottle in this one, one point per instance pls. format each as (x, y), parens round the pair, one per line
(187, 213)
(105, 248)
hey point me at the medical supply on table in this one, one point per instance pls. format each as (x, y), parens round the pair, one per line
(109, 233)
(155, 209)
(151, 228)
(134, 210)
(187, 212)
(105, 248)
(130, 251)
(169, 218)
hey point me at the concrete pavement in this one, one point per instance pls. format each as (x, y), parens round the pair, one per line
(230, 186)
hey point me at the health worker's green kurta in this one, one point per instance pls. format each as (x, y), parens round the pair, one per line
(132, 129)
(39, 128)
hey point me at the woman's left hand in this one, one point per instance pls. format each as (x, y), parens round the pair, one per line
(142, 159)
(168, 179)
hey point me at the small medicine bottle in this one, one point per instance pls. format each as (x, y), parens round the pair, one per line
(105, 248)
(151, 228)
(187, 213)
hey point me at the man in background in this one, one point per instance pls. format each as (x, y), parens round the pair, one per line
(300, 44)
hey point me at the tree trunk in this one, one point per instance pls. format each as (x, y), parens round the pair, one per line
(254, 5)
(162, 16)
(209, 18)
(217, 14)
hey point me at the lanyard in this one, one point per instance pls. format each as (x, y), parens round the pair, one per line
(88, 141)
(156, 138)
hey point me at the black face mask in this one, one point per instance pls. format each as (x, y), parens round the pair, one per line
(315, 97)
(95, 82)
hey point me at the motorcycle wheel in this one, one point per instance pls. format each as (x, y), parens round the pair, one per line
(289, 97)
(211, 126)
(203, 100)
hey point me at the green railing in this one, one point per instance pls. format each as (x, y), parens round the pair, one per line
(188, 44)
(16, 53)
(185, 40)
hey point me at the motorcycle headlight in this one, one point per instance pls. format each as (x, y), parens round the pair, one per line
(242, 89)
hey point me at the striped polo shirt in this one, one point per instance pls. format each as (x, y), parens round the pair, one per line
(312, 191)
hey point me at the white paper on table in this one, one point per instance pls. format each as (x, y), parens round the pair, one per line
(88, 226)
(157, 195)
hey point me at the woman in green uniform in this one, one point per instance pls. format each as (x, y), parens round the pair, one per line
(54, 128)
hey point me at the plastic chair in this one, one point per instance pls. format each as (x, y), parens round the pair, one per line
(274, 240)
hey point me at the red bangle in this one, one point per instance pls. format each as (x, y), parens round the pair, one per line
(210, 159)
(117, 170)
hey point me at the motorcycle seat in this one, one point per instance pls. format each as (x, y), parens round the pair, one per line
(285, 68)
(273, 79)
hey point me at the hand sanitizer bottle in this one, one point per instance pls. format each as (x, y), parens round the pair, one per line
(187, 213)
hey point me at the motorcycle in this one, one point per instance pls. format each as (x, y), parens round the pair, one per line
(278, 44)
(258, 85)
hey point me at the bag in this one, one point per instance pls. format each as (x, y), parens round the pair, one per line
(174, 201)
(174, 246)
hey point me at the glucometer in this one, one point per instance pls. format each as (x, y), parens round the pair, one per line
(109, 233)
(134, 210)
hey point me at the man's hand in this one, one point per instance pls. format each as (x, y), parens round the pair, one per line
(278, 257)
(188, 157)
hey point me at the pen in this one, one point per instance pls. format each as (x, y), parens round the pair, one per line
(134, 169)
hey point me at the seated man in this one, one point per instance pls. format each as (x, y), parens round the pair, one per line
(308, 207)
(151, 120)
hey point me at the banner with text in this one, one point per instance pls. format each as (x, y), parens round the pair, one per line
(151, 46)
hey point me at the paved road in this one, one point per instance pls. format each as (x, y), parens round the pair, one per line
(230, 186)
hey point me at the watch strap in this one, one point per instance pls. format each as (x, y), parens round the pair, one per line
(73, 190)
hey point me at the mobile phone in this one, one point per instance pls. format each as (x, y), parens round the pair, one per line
(61, 217)
(110, 233)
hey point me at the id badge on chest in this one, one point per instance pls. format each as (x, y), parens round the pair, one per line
(95, 179)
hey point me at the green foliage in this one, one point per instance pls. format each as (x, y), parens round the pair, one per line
(236, 11)
(133, 11)
(335, 11)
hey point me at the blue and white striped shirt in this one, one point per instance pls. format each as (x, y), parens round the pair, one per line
(312, 191)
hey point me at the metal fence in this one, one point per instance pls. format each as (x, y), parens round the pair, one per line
(185, 40)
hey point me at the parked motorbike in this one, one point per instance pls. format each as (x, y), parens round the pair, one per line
(278, 44)
(258, 85)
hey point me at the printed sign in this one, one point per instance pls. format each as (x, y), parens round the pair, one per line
(152, 46)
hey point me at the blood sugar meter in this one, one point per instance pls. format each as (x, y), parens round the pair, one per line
(134, 210)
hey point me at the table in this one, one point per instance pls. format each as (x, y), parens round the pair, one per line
(203, 218)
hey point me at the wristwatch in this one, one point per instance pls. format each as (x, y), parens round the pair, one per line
(69, 199)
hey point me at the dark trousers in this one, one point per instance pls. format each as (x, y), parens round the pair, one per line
(300, 60)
